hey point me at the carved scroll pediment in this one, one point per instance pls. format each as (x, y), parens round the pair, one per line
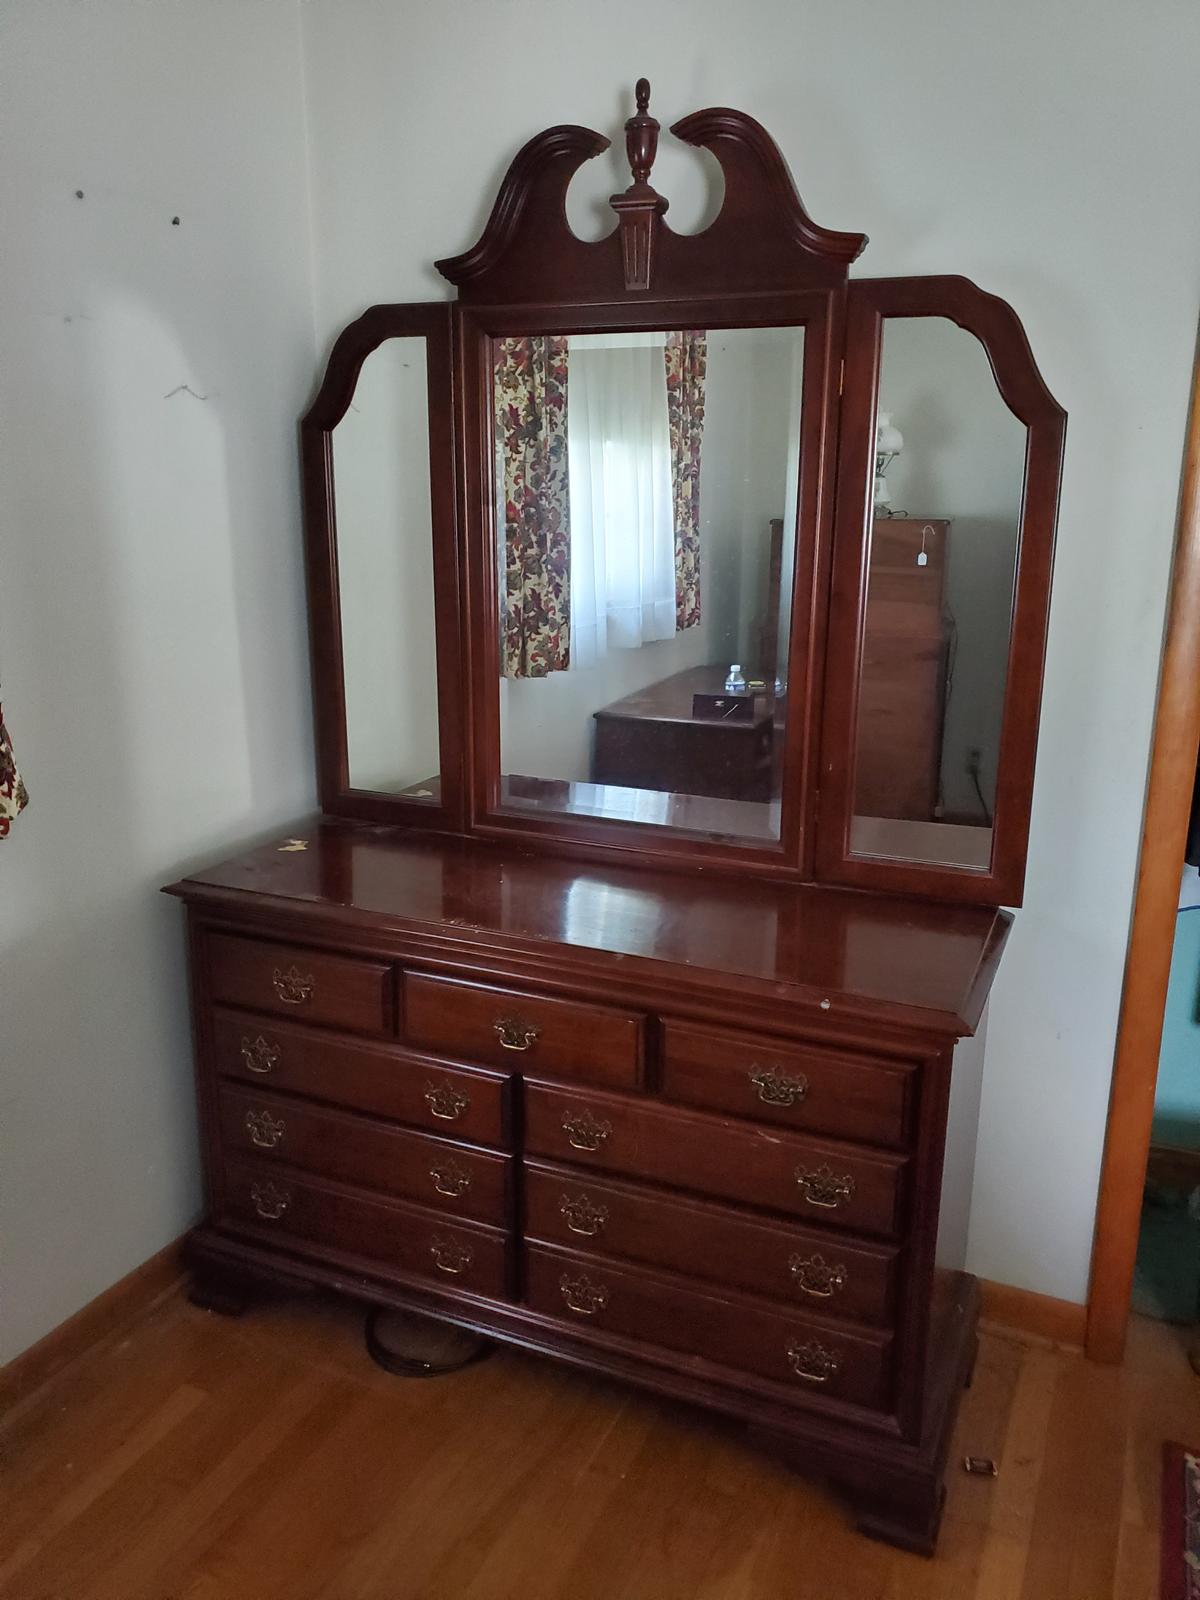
(762, 238)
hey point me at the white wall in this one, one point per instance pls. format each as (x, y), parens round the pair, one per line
(152, 644)
(1044, 149)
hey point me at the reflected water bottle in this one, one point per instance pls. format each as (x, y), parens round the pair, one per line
(735, 683)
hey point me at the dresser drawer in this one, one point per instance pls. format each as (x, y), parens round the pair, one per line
(818, 1180)
(813, 1359)
(840, 1277)
(309, 985)
(524, 1033)
(798, 1086)
(384, 1233)
(455, 1178)
(465, 1102)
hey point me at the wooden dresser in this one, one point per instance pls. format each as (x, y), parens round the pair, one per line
(645, 1075)
(689, 1134)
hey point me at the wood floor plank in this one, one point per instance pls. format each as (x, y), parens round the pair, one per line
(268, 1459)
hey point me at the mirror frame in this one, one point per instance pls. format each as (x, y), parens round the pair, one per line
(761, 261)
(995, 324)
(354, 344)
(816, 312)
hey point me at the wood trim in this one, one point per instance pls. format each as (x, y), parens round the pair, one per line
(1062, 1321)
(131, 1296)
(1148, 962)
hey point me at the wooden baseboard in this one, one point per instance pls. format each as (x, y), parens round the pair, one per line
(1061, 1321)
(107, 1314)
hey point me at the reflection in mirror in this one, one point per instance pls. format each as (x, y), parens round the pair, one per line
(949, 480)
(646, 494)
(385, 575)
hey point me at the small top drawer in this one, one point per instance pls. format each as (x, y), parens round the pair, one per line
(524, 1033)
(840, 1184)
(465, 1102)
(309, 985)
(800, 1086)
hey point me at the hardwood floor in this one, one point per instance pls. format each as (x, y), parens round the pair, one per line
(196, 1458)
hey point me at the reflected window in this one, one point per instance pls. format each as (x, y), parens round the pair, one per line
(647, 488)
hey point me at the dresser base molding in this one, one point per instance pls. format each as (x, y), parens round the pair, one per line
(894, 1486)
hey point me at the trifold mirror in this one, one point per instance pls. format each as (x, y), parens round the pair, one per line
(687, 545)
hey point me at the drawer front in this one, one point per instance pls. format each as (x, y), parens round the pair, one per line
(812, 1359)
(822, 1182)
(524, 1033)
(383, 1233)
(455, 1178)
(796, 1086)
(463, 1102)
(308, 985)
(838, 1278)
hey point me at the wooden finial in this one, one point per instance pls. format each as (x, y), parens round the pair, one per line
(640, 207)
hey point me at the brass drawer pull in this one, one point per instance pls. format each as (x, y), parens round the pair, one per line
(815, 1276)
(258, 1055)
(583, 1296)
(449, 1255)
(269, 1201)
(583, 1215)
(265, 1130)
(514, 1034)
(445, 1101)
(292, 987)
(812, 1362)
(585, 1132)
(823, 1187)
(779, 1088)
(450, 1178)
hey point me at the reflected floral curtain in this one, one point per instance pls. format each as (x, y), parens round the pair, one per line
(530, 399)
(13, 795)
(687, 364)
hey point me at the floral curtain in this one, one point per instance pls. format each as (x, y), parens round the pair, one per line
(530, 401)
(13, 795)
(687, 363)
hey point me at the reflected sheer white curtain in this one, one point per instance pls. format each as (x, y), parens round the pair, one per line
(622, 516)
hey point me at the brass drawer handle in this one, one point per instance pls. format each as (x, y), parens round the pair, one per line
(779, 1088)
(583, 1215)
(258, 1055)
(815, 1276)
(812, 1361)
(293, 987)
(269, 1202)
(823, 1187)
(445, 1101)
(265, 1130)
(585, 1132)
(450, 1178)
(450, 1255)
(514, 1034)
(583, 1296)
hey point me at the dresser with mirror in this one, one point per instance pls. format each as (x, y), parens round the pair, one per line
(678, 610)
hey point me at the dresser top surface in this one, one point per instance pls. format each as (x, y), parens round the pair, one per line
(907, 959)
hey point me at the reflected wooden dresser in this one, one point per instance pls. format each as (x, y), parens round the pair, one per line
(687, 1133)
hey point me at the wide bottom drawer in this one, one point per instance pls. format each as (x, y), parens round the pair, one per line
(813, 1359)
(383, 1233)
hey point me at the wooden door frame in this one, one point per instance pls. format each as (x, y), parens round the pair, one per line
(1152, 933)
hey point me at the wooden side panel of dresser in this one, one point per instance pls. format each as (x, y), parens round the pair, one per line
(616, 1171)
